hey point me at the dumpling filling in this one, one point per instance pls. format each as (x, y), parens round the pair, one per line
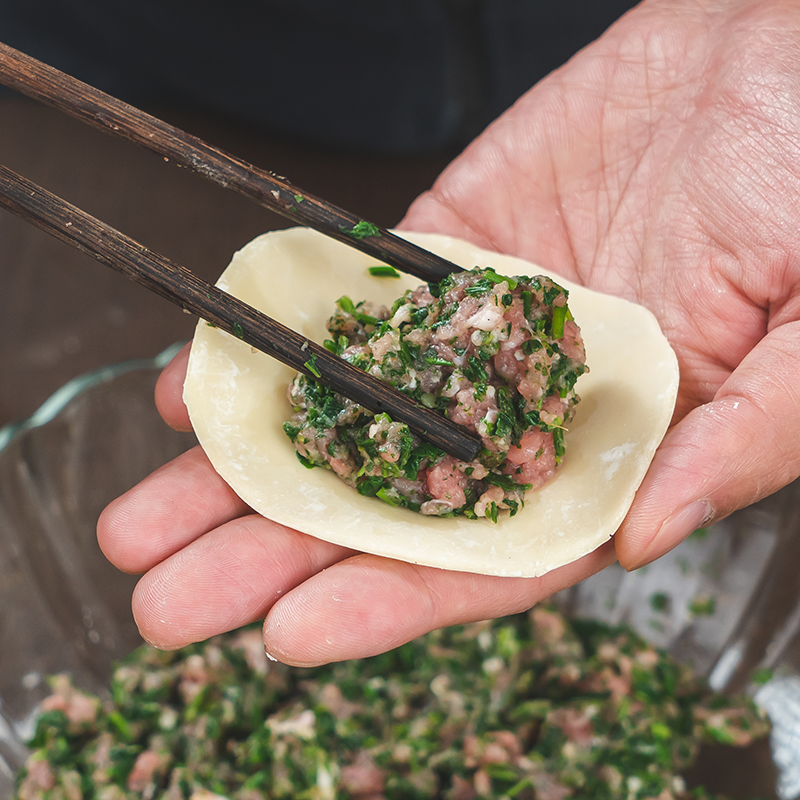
(496, 354)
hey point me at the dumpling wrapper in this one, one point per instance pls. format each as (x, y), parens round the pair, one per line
(237, 403)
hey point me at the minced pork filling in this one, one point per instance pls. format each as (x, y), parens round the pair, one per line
(531, 707)
(496, 354)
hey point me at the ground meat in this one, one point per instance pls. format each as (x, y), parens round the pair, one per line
(495, 354)
(534, 707)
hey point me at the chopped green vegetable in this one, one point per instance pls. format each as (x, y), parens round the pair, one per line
(311, 366)
(557, 325)
(558, 443)
(362, 229)
(307, 463)
(370, 486)
(505, 482)
(527, 303)
(349, 307)
(384, 271)
(659, 601)
(337, 347)
(703, 606)
(479, 287)
(762, 676)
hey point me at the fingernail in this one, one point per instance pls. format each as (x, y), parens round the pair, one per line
(675, 529)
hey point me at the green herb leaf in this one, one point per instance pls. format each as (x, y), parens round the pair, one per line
(419, 315)
(530, 346)
(762, 676)
(506, 482)
(311, 366)
(383, 271)
(703, 606)
(660, 602)
(495, 279)
(527, 303)
(369, 487)
(481, 286)
(362, 229)
(417, 456)
(305, 462)
(291, 430)
(349, 307)
(558, 444)
(390, 497)
(557, 325)
(338, 347)
(551, 293)
(474, 370)
(122, 725)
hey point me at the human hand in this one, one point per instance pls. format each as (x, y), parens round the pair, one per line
(211, 565)
(661, 164)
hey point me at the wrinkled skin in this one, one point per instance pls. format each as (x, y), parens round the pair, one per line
(661, 164)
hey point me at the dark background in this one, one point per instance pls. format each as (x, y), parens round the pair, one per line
(361, 103)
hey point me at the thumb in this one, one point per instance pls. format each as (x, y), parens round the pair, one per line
(722, 456)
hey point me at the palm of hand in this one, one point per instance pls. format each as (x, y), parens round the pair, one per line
(660, 165)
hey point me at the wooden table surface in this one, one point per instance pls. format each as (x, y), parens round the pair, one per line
(63, 314)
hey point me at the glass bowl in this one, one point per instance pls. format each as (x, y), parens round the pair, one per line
(727, 600)
(63, 607)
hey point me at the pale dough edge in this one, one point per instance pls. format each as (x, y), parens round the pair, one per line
(236, 402)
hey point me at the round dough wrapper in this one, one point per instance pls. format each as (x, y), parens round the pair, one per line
(237, 403)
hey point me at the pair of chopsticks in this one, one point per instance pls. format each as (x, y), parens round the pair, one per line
(182, 287)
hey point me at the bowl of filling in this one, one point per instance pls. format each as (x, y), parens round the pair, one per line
(679, 680)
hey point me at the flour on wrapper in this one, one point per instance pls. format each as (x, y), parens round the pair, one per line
(237, 403)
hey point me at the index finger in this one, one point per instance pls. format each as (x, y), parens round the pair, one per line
(169, 391)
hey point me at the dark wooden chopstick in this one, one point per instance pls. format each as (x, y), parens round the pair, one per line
(184, 288)
(42, 82)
